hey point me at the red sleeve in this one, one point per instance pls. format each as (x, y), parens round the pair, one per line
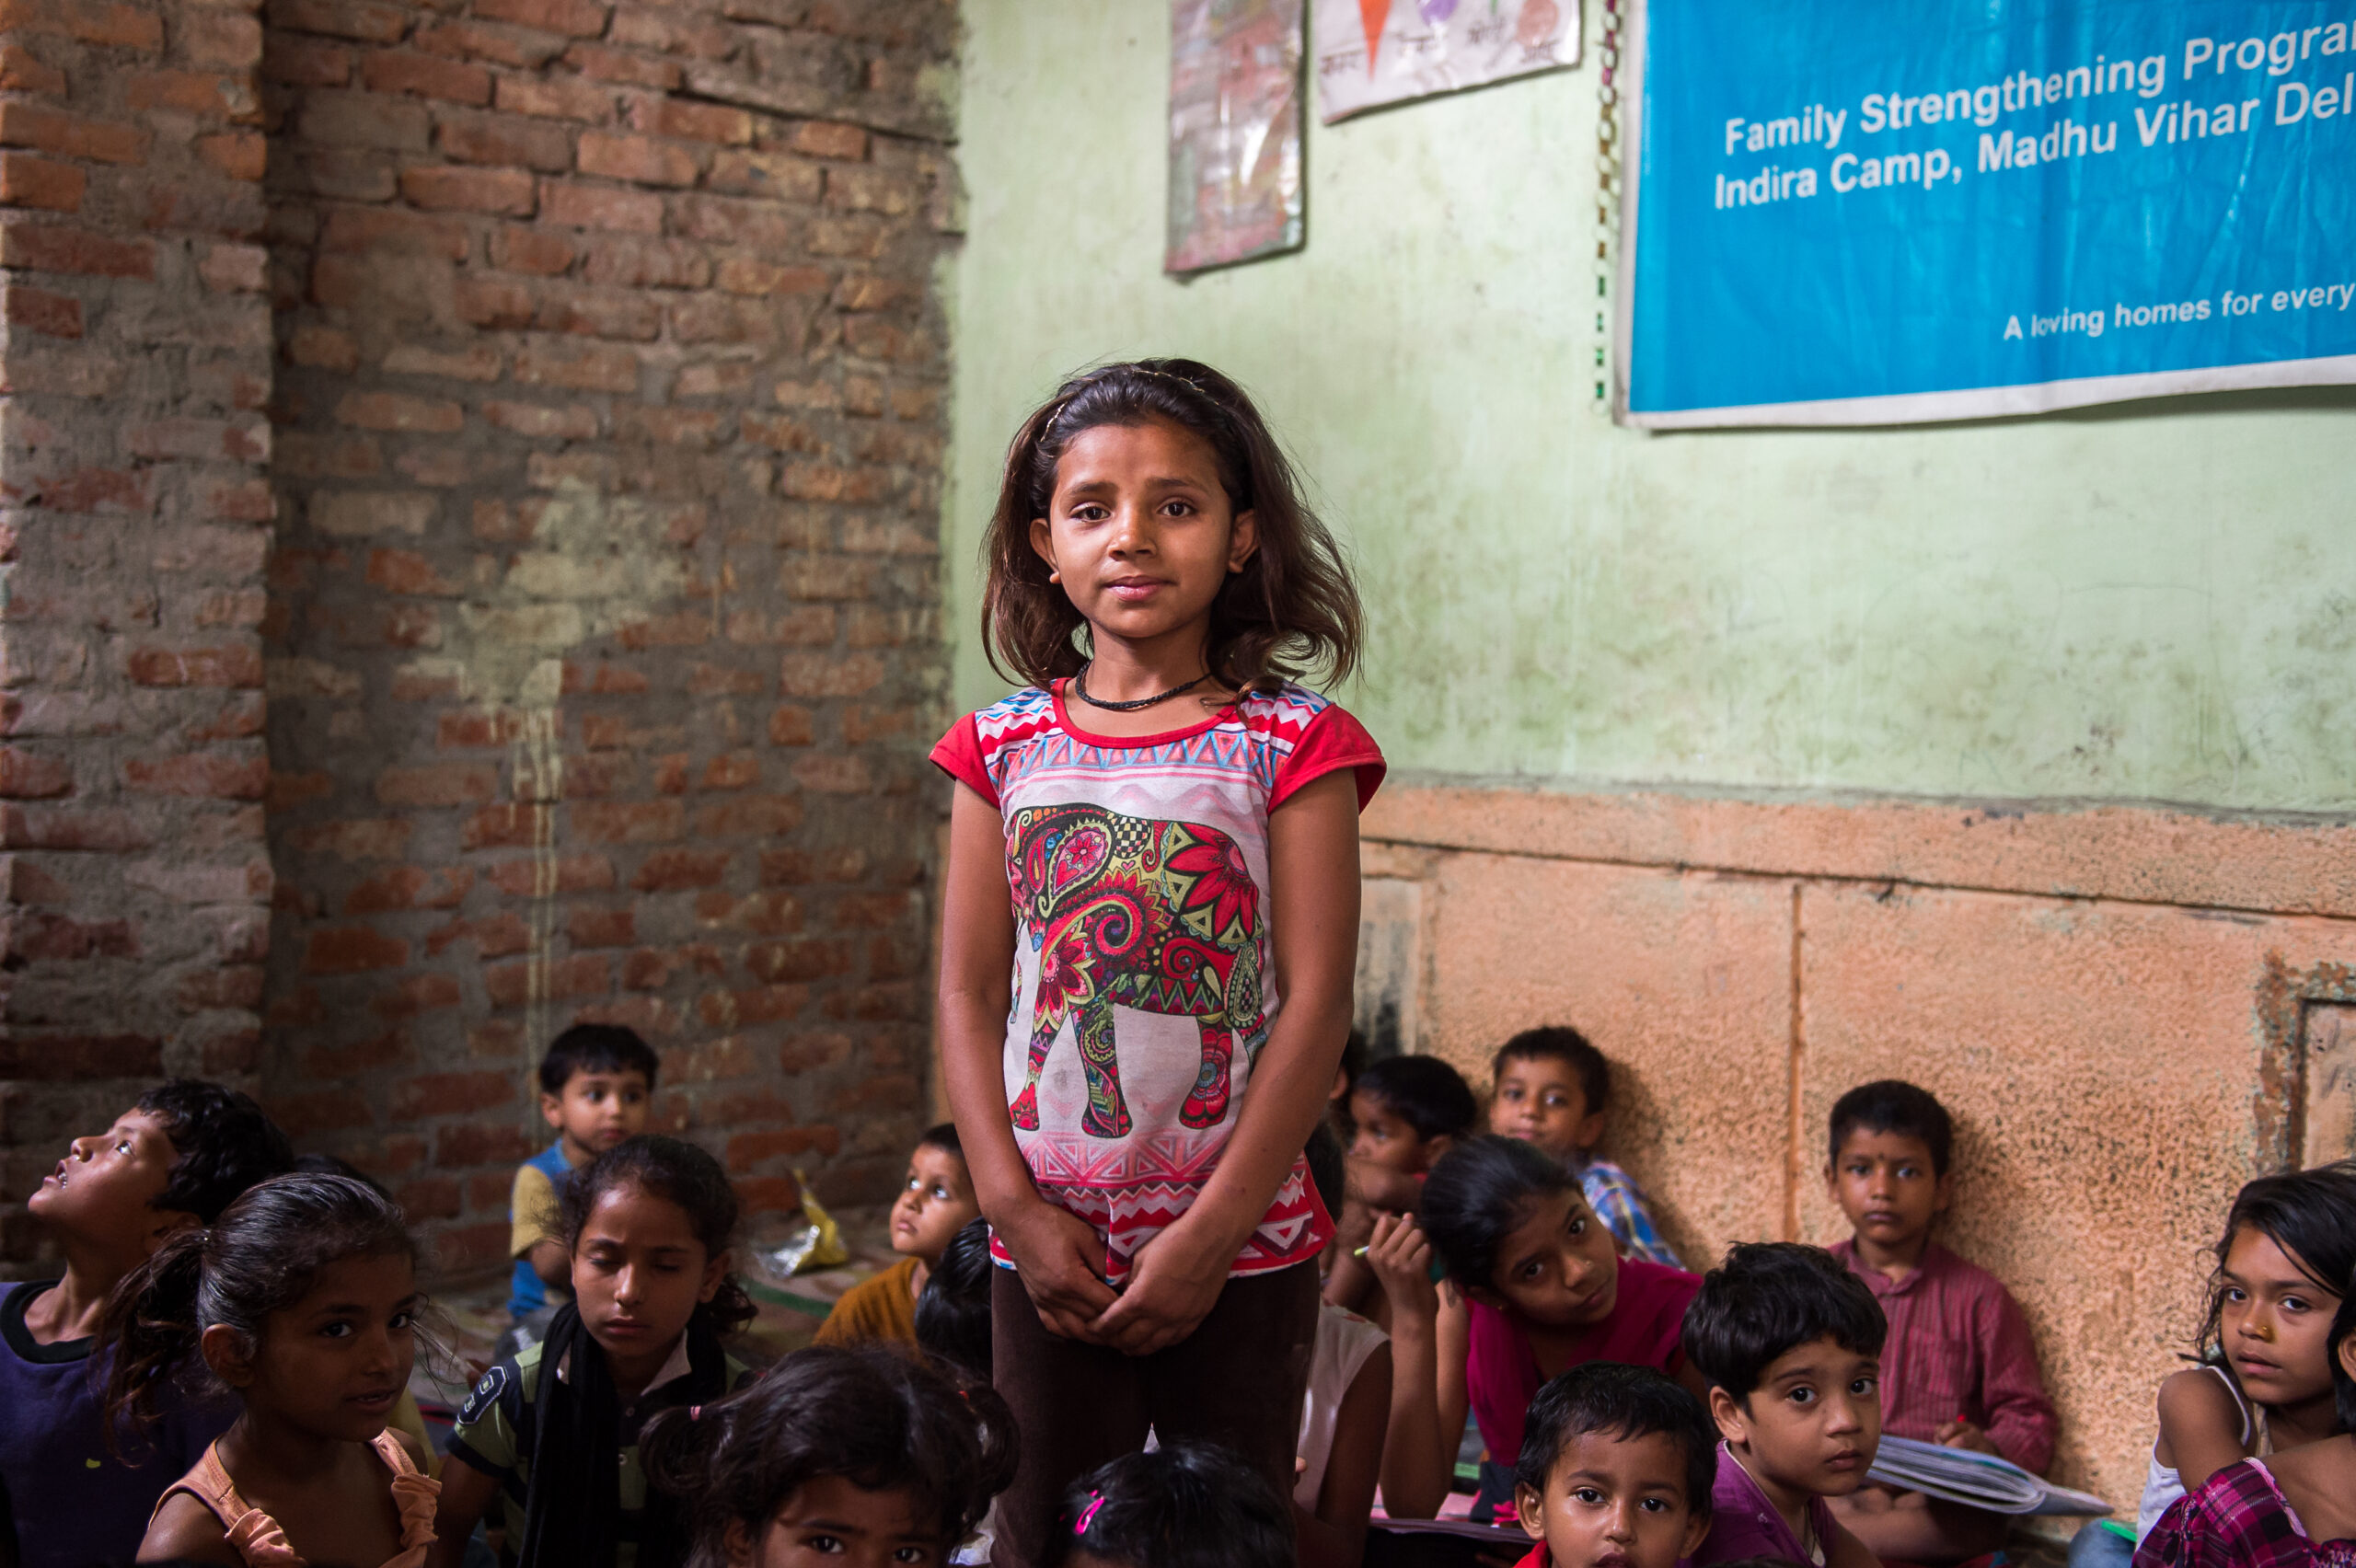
(959, 754)
(2021, 1421)
(1332, 741)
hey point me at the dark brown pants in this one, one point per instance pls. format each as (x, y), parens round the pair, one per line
(1236, 1380)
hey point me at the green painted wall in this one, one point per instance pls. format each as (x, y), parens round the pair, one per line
(2154, 603)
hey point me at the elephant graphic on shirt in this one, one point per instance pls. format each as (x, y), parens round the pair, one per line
(1162, 917)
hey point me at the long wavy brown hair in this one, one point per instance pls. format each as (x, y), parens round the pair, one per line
(1290, 612)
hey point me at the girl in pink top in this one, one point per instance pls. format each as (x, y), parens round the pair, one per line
(1539, 1288)
(1151, 924)
(302, 1298)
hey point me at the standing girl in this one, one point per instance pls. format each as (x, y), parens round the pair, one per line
(647, 1225)
(300, 1297)
(1157, 841)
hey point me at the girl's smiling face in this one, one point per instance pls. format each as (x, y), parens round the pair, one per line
(639, 1272)
(1556, 1267)
(333, 1364)
(830, 1522)
(2275, 1322)
(1140, 532)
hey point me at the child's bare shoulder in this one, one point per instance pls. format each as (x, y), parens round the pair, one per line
(2198, 1394)
(185, 1529)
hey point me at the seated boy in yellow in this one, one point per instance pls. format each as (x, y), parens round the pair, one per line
(937, 1202)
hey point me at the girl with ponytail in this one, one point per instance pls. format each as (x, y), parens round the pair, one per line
(302, 1300)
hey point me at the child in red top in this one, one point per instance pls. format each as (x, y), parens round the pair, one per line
(1538, 1288)
(1158, 843)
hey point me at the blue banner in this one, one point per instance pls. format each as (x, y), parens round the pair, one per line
(1856, 212)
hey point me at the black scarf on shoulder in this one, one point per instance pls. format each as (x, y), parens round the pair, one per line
(573, 1504)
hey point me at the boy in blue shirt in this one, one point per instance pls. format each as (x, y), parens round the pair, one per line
(596, 1081)
(176, 1158)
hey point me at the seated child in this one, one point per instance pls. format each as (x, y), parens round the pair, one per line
(1551, 1088)
(1958, 1367)
(954, 1310)
(838, 1454)
(1184, 1505)
(302, 1297)
(1617, 1464)
(1343, 1411)
(76, 1494)
(2266, 1380)
(594, 1083)
(649, 1224)
(936, 1201)
(1406, 1112)
(1789, 1340)
(2293, 1510)
(1537, 1288)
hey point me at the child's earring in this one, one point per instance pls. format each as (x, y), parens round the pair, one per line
(1053, 576)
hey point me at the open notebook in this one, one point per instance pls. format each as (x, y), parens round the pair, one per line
(1982, 1480)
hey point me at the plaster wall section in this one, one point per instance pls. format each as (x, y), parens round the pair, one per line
(602, 626)
(134, 525)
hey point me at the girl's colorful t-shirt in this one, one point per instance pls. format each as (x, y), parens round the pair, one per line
(1142, 986)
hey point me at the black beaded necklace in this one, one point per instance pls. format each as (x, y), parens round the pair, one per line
(1079, 688)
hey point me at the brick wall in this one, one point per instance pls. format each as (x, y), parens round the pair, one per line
(599, 633)
(133, 528)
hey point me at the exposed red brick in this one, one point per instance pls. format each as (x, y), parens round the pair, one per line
(236, 664)
(511, 191)
(450, 1094)
(29, 181)
(211, 775)
(427, 76)
(352, 949)
(580, 19)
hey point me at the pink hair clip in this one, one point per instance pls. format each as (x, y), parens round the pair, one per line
(1088, 1515)
(695, 1412)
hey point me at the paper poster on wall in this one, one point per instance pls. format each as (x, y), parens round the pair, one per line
(1371, 53)
(1845, 212)
(1234, 131)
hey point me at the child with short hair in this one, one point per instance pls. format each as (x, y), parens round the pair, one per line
(1404, 1111)
(2267, 1378)
(1552, 1088)
(649, 1225)
(936, 1201)
(302, 1297)
(839, 1453)
(1188, 1504)
(1538, 1287)
(1151, 923)
(1617, 1464)
(75, 1493)
(1789, 1340)
(1958, 1367)
(596, 1082)
(2292, 1510)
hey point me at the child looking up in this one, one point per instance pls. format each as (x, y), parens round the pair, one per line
(1958, 1367)
(1164, 832)
(2291, 1511)
(2266, 1378)
(836, 1458)
(1184, 1505)
(1789, 1340)
(936, 1201)
(649, 1225)
(1549, 1087)
(75, 1494)
(1538, 1288)
(302, 1298)
(594, 1084)
(1617, 1464)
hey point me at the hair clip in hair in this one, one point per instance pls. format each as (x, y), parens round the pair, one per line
(1088, 1515)
(695, 1412)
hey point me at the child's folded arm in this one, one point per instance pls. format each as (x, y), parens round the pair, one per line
(2201, 1426)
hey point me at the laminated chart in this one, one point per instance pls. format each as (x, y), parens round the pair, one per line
(1371, 53)
(1234, 132)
